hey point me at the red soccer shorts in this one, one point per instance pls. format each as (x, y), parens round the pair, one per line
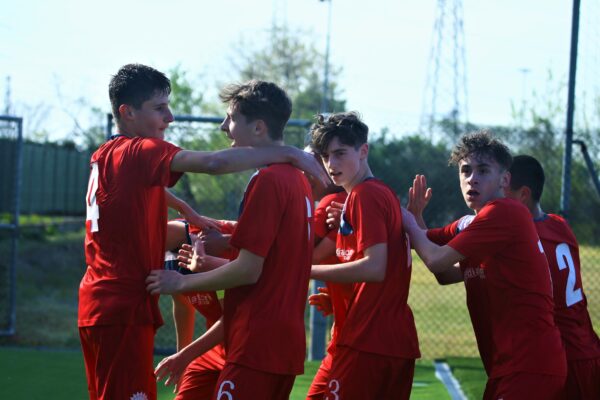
(119, 361)
(526, 386)
(319, 383)
(583, 379)
(200, 377)
(243, 383)
(360, 375)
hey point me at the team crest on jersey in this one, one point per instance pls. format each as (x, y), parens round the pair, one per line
(139, 396)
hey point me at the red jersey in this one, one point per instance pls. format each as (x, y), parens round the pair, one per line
(379, 319)
(478, 302)
(502, 239)
(570, 304)
(125, 230)
(339, 293)
(264, 322)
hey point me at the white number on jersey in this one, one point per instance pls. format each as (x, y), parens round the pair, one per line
(308, 213)
(334, 387)
(92, 211)
(564, 260)
(224, 394)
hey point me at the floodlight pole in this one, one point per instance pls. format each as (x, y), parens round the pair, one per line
(325, 99)
(566, 176)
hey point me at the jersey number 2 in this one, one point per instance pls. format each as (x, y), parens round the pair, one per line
(92, 211)
(565, 260)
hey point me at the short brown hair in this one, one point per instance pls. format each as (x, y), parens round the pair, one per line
(347, 127)
(260, 100)
(481, 144)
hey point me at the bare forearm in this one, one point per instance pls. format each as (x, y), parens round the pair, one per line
(370, 268)
(231, 160)
(207, 341)
(232, 274)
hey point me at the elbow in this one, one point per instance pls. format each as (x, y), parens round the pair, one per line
(377, 275)
(216, 165)
(252, 274)
(436, 267)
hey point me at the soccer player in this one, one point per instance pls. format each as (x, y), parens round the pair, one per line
(526, 349)
(193, 369)
(126, 226)
(376, 348)
(570, 304)
(266, 285)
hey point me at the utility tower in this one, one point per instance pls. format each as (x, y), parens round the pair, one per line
(445, 95)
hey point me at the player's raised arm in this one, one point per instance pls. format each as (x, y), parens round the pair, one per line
(438, 259)
(244, 158)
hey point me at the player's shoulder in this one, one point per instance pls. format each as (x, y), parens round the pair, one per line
(506, 207)
(554, 227)
(282, 176)
(339, 197)
(372, 187)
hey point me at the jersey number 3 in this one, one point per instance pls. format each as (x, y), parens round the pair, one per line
(92, 211)
(565, 260)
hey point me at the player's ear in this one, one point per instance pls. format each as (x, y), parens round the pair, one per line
(525, 194)
(126, 111)
(260, 128)
(505, 179)
(364, 151)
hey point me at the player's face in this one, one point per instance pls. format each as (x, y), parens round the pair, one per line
(153, 117)
(344, 163)
(481, 180)
(238, 129)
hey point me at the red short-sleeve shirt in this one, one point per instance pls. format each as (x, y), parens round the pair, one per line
(125, 230)
(379, 319)
(503, 241)
(264, 322)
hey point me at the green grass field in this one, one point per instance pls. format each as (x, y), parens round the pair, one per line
(50, 374)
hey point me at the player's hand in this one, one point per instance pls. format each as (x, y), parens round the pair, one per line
(309, 164)
(172, 368)
(192, 256)
(215, 243)
(334, 213)
(418, 195)
(322, 301)
(164, 282)
(191, 216)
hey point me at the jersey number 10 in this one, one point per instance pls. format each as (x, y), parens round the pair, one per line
(565, 260)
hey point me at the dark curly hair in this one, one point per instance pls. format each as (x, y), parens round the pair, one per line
(347, 127)
(260, 100)
(481, 144)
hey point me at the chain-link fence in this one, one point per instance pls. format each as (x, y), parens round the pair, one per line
(441, 316)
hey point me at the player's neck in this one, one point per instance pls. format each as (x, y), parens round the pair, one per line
(363, 174)
(536, 211)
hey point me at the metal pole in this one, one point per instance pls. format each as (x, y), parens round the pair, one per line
(325, 99)
(566, 176)
(590, 165)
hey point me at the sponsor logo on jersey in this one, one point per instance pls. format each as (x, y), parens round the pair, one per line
(471, 272)
(201, 299)
(343, 254)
